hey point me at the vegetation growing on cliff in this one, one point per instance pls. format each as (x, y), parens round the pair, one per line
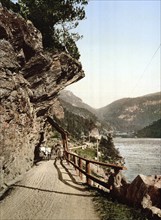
(55, 20)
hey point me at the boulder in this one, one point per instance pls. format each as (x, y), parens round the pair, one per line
(145, 192)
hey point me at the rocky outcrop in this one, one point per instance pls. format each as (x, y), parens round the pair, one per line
(144, 192)
(30, 80)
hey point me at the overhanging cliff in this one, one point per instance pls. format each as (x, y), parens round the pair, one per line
(30, 80)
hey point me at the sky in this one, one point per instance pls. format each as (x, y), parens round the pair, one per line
(120, 51)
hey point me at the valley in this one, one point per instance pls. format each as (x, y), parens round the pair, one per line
(123, 117)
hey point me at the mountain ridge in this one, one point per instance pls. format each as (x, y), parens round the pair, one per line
(126, 114)
(74, 100)
(131, 114)
(128, 98)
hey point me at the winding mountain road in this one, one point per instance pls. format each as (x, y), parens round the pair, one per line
(49, 191)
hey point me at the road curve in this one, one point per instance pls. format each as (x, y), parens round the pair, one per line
(49, 191)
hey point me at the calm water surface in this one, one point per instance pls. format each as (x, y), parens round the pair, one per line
(142, 156)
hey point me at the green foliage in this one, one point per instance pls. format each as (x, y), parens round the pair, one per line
(89, 153)
(109, 152)
(151, 131)
(55, 19)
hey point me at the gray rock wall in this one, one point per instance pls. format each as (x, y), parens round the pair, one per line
(30, 80)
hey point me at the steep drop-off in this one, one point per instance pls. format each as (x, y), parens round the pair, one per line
(30, 80)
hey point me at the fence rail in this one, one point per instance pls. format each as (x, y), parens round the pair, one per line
(77, 162)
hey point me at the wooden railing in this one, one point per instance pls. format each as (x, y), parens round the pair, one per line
(83, 166)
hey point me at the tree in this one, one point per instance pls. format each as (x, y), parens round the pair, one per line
(10, 5)
(109, 152)
(56, 19)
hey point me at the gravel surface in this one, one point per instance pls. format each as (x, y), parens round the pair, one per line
(49, 191)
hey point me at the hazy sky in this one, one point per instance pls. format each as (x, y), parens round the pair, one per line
(119, 51)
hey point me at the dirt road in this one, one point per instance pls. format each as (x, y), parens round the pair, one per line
(49, 191)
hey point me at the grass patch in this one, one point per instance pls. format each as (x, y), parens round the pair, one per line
(88, 153)
(109, 209)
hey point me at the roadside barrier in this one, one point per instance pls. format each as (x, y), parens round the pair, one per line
(83, 166)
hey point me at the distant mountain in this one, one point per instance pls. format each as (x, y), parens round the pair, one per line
(123, 115)
(131, 114)
(151, 131)
(75, 101)
(79, 118)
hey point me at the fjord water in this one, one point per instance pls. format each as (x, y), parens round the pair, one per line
(142, 156)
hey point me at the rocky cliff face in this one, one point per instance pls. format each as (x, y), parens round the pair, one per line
(30, 80)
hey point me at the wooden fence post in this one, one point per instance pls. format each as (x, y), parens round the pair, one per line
(75, 161)
(80, 166)
(68, 157)
(88, 171)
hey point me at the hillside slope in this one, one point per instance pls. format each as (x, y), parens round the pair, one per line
(131, 114)
(75, 101)
(80, 118)
(79, 121)
(151, 131)
(125, 115)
